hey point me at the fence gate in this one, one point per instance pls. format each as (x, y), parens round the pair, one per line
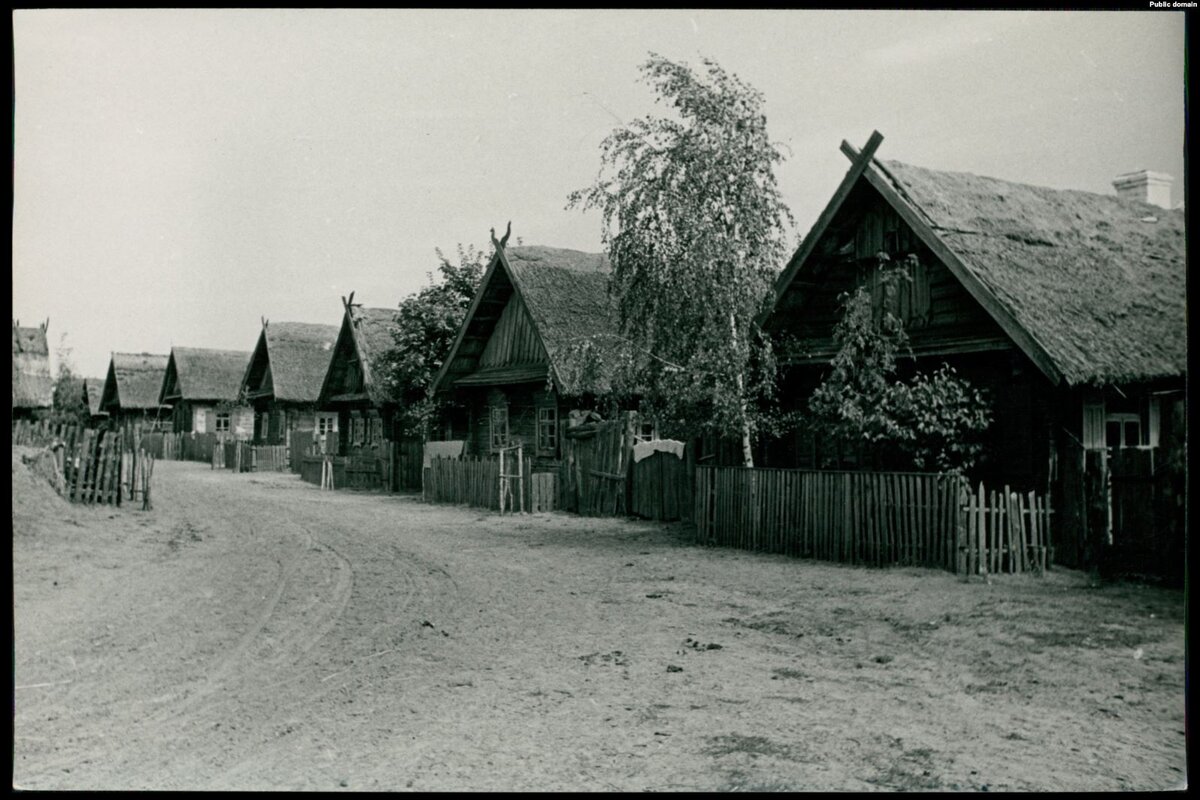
(661, 487)
(593, 478)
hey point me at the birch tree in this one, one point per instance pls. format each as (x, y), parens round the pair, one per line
(695, 229)
(426, 325)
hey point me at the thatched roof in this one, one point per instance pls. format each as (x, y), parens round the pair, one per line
(93, 390)
(133, 382)
(297, 354)
(195, 373)
(1098, 284)
(32, 384)
(372, 331)
(566, 292)
(566, 295)
(1090, 286)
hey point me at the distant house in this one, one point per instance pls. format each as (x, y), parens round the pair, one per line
(531, 349)
(32, 384)
(282, 381)
(201, 387)
(351, 388)
(93, 390)
(132, 388)
(1067, 306)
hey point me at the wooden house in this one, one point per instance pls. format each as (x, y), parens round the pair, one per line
(283, 382)
(351, 388)
(1068, 307)
(132, 388)
(93, 390)
(32, 384)
(201, 387)
(530, 350)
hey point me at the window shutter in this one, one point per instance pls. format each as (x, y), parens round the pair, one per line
(1093, 423)
(1152, 421)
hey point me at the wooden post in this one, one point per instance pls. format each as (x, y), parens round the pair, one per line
(981, 533)
(149, 474)
(520, 480)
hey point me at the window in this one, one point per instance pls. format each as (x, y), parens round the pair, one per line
(498, 427)
(1123, 430)
(222, 425)
(547, 431)
(356, 428)
(326, 423)
(645, 432)
(1116, 420)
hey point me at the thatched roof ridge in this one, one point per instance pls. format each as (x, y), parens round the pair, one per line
(566, 294)
(299, 354)
(206, 374)
(32, 384)
(134, 380)
(1097, 281)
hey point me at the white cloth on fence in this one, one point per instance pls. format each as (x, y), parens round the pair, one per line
(451, 449)
(645, 449)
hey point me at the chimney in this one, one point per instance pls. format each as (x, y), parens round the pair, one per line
(1146, 187)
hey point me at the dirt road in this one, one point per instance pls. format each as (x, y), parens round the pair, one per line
(253, 632)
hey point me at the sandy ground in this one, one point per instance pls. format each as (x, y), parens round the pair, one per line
(254, 632)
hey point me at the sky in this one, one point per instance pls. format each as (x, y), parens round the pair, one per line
(179, 175)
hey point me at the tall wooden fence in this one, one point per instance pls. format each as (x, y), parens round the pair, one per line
(872, 518)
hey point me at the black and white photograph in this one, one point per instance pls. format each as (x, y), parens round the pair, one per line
(599, 400)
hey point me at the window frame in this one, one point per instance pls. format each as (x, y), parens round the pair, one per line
(218, 418)
(498, 412)
(547, 430)
(1122, 419)
(325, 424)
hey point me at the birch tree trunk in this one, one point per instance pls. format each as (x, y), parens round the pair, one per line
(743, 417)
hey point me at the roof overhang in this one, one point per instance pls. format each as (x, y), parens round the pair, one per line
(495, 376)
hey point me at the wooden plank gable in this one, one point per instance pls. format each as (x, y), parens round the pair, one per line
(345, 378)
(869, 213)
(940, 316)
(171, 389)
(514, 338)
(257, 382)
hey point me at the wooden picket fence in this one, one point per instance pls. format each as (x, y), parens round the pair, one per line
(1004, 532)
(183, 446)
(471, 480)
(95, 468)
(40, 433)
(242, 456)
(872, 518)
(476, 481)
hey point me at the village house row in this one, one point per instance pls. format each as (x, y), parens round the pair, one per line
(1067, 306)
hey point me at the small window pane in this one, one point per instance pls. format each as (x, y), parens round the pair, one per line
(1112, 434)
(1133, 435)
